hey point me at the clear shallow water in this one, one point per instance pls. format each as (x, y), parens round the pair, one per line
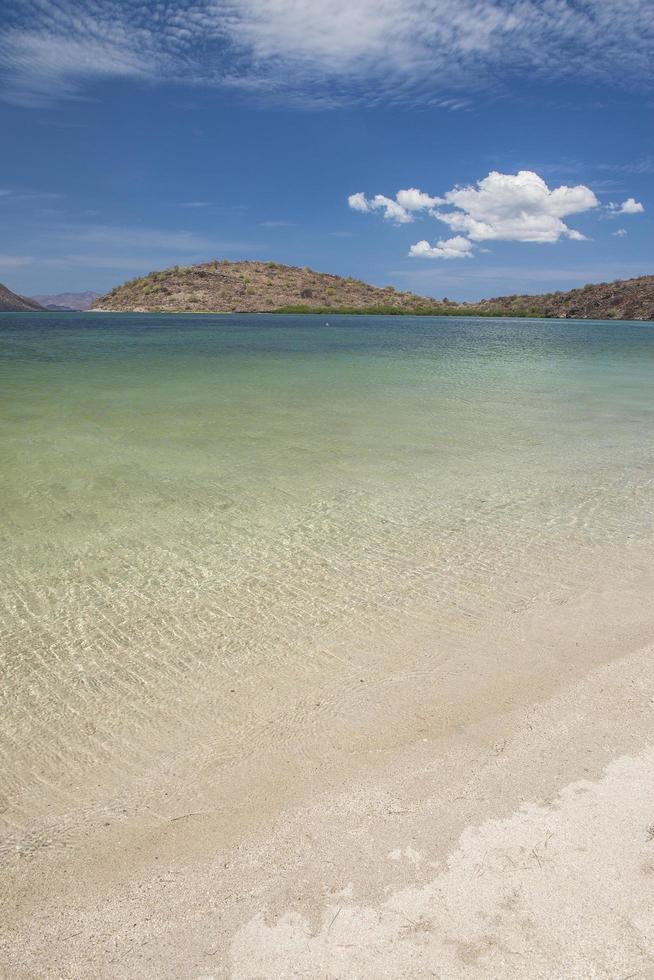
(225, 532)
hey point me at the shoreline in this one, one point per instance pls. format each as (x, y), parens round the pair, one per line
(349, 313)
(377, 844)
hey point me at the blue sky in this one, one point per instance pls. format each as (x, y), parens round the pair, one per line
(142, 135)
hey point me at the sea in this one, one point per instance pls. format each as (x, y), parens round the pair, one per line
(240, 553)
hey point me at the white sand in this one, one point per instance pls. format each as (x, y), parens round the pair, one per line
(512, 838)
(519, 846)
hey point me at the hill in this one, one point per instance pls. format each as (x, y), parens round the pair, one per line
(624, 299)
(13, 303)
(266, 287)
(67, 301)
(253, 287)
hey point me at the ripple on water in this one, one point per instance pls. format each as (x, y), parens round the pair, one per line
(233, 553)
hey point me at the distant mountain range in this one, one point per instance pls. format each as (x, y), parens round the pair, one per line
(67, 301)
(268, 287)
(13, 303)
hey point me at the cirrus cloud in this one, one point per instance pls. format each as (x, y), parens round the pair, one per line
(434, 52)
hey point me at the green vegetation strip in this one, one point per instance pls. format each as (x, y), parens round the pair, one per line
(403, 311)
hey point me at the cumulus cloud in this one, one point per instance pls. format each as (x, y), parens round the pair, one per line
(630, 206)
(416, 51)
(501, 207)
(392, 209)
(515, 208)
(359, 202)
(620, 233)
(457, 247)
(401, 209)
(414, 200)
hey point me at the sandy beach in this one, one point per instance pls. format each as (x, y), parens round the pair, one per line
(518, 843)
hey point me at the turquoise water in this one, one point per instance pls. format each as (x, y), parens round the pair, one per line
(217, 529)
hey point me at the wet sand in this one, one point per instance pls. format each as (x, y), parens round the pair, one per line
(517, 843)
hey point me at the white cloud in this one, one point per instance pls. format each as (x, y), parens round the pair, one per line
(324, 51)
(393, 211)
(515, 208)
(630, 206)
(358, 202)
(501, 207)
(400, 209)
(414, 200)
(452, 44)
(43, 66)
(457, 247)
(620, 233)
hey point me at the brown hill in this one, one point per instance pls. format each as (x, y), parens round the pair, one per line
(265, 287)
(253, 287)
(624, 299)
(13, 303)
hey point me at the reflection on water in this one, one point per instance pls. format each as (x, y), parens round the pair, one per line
(221, 532)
